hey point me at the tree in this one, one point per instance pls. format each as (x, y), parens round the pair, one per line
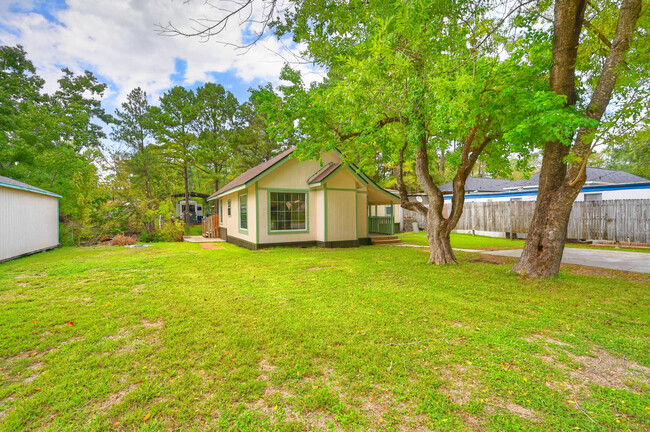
(175, 127)
(216, 123)
(604, 74)
(405, 83)
(133, 128)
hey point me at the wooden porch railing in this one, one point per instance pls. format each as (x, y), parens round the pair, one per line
(211, 226)
(381, 225)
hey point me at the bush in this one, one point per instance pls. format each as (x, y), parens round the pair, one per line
(171, 232)
(122, 240)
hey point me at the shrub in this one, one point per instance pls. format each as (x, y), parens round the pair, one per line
(122, 240)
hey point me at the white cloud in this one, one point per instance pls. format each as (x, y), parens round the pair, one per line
(117, 40)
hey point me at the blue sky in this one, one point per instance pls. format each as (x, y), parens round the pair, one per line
(116, 40)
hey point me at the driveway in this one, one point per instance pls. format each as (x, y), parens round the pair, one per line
(617, 260)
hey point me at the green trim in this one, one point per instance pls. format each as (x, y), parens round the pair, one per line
(228, 192)
(58, 224)
(356, 216)
(362, 191)
(52, 194)
(342, 189)
(257, 215)
(283, 189)
(313, 185)
(257, 177)
(325, 212)
(269, 170)
(239, 228)
(269, 191)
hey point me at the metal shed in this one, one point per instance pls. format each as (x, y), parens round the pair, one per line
(29, 219)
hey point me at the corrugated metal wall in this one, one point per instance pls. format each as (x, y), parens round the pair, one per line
(29, 222)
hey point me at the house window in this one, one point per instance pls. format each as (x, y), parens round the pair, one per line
(593, 197)
(243, 212)
(389, 210)
(288, 211)
(220, 204)
(229, 213)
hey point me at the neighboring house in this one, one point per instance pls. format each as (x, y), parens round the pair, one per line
(602, 184)
(197, 210)
(29, 219)
(285, 201)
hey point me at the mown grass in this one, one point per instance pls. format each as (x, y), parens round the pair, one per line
(468, 241)
(176, 337)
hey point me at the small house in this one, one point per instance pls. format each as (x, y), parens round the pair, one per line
(288, 202)
(29, 219)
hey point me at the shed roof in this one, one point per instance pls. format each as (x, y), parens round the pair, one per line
(15, 184)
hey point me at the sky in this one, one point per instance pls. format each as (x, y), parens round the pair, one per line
(117, 40)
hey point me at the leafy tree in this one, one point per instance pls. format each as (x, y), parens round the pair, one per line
(599, 54)
(175, 127)
(215, 123)
(415, 84)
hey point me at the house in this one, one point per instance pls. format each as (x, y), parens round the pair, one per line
(29, 219)
(602, 185)
(288, 202)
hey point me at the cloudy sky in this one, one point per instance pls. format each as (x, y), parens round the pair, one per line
(118, 41)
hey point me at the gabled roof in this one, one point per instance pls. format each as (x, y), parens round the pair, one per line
(594, 175)
(15, 184)
(325, 172)
(252, 173)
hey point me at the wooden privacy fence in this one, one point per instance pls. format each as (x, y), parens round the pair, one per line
(618, 220)
(211, 226)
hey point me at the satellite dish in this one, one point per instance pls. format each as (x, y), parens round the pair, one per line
(418, 199)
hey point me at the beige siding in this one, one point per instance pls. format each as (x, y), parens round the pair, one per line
(293, 173)
(362, 215)
(231, 223)
(341, 214)
(28, 222)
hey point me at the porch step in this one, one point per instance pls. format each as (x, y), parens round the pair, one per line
(384, 239)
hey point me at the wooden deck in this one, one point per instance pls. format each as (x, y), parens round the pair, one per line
(200, 239)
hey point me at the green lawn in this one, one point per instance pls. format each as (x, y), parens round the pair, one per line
(468, 241)
(194, 230)
(177, 337)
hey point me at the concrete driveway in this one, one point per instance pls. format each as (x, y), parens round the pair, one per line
(617, 260)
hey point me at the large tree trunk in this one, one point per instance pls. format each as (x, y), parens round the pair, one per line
(440, 251)
(560, 183)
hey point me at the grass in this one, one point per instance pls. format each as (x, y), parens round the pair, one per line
(468, 241)
(178, 337)
(193, 230)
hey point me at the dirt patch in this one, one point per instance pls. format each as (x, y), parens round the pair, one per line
(522, 412)
(604, 369)
(265, 366)
(114, 399)
(152, 324)
(606, 273)
(211, 246)
(121, 334)
(460, 383)
(538, 337)
(489, 259)
(313, 269)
